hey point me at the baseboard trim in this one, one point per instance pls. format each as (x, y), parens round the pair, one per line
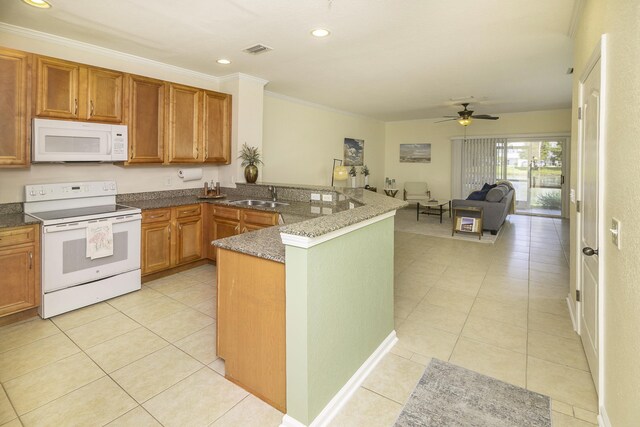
(603, 418)
(342, 397)
(572, 313)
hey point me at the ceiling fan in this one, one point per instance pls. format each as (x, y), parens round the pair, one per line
(465, 116)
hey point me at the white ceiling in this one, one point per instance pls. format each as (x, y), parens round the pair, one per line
(386, 59)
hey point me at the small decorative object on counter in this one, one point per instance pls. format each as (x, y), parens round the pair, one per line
(352, 174)
(365, 171)
(250, 158)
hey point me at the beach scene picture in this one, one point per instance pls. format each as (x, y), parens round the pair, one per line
(353, 152)
(415, 153)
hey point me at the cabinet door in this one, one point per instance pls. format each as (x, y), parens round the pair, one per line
(184, 123)
(18, 290)
(146, 120)
(188, 240)
(57, 88)
(156, 247)
(225, 228)
(216, 113)
(104, 95)
(14, 109)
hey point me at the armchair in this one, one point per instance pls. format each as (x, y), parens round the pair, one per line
(416, 191)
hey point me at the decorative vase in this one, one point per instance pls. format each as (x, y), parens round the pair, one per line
(353, 182)
(251, 173)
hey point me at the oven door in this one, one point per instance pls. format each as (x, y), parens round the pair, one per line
(64, 257)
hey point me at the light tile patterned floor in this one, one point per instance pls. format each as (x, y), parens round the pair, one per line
(148, 358)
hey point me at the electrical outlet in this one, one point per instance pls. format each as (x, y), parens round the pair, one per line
(167, 181)
(327, 198)
(315, 196)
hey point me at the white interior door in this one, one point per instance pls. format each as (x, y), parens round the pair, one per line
(589, 276)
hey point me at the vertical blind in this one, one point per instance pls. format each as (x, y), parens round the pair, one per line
(479, 162)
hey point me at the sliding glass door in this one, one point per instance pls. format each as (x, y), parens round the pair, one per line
(535, 167)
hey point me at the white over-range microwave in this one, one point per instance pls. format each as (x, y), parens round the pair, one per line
(66, 141)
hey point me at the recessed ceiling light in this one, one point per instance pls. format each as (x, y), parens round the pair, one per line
(223, 61)
(320, 32)
(42, 4)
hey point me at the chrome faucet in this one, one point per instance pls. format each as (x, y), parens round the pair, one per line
(274, 193)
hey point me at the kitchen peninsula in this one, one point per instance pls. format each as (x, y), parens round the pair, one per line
(316, 293)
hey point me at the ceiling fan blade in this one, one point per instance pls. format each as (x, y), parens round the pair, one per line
(446, 120)
(485, 117)
(454, 117)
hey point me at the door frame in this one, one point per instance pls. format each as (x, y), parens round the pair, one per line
(599, 53)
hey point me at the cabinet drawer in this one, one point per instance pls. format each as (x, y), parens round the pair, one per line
(156, 215)
(187, 211)
(17, 235)
(224, 212)
(259, 218)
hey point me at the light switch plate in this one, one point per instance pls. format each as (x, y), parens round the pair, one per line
(615, 232)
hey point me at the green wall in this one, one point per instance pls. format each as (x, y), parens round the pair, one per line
(339, 310)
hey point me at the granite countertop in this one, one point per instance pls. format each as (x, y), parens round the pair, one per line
(298, 216)
(16, 220)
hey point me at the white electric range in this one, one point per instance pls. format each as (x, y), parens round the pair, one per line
(69, 212)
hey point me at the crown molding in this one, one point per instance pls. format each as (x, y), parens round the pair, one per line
(242, 76)
(318, 106)
(87, 47)
(576, 14)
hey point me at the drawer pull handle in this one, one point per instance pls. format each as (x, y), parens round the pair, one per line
(237, 228)
(186, 212)
(169, 232)
(156, 216)
(91, 113)
(30, 260)
(75, 109)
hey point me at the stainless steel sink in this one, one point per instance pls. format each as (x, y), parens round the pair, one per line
(258, 203)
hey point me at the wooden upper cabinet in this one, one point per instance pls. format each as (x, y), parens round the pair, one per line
(184, 141)
(104, 95)
(146, 119)
(15, 116)
(67, 90)
(57, 88)
(216, 127)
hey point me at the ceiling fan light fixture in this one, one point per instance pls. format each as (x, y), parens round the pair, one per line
(464, 121)
(41, 4)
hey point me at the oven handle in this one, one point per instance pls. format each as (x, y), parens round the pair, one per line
(84, 224)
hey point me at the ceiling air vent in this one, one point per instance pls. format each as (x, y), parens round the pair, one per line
(257, 49)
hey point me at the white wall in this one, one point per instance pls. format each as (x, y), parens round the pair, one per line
(129, 179)
(438, 173)
(301, 140)
(622, 201)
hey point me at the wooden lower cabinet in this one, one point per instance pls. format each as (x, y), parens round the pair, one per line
(226, 221)
(20, 267)
(156, 247)
(188, 240)
(251, 324)
(171, 237)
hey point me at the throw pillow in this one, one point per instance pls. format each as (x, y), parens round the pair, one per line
(496, 194)
(477, 195)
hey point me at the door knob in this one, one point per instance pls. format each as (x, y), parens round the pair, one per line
(589, 251)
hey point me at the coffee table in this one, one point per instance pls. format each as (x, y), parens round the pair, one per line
(433, 207)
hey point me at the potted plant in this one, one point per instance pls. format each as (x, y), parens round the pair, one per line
(352, 174)
(250, 158)
(365, 171)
